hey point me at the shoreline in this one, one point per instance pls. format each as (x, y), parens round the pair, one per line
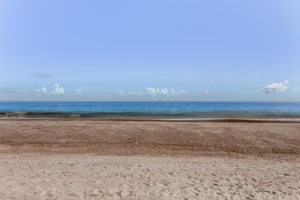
(228, 120)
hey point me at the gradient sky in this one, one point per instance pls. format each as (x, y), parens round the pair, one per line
(217, 50)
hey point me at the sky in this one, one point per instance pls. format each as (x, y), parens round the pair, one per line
(132, 50)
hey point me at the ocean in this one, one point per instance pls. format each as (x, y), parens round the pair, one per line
(163, 110)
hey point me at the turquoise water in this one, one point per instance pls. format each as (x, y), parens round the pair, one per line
(152, 109)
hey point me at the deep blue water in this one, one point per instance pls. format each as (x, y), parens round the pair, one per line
(153, 109)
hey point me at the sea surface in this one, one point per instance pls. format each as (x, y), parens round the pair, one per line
(162, 110)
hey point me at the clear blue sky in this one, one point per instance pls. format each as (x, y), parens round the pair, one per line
(140, 50)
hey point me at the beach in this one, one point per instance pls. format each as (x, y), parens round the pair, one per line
(143, 159)
(149, 100)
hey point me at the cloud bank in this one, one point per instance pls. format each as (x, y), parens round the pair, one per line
(154, 92)
(57, 90)
(276, 87)
(78, 91)
(163, 92)
(42, 90)
(205, 92)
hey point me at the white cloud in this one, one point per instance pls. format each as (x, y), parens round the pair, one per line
(205, 92)
(42, 90)
(78, 91)
(276, 87)
(153, 92)
(163, 92)
(58, 90)
(121, 92)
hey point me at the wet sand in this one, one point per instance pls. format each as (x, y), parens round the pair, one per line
(98, 159)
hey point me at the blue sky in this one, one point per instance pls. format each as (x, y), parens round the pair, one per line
(214, 50)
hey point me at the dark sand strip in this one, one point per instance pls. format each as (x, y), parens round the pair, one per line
(138, 137)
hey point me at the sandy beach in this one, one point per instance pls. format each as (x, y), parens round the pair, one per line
(147, 160)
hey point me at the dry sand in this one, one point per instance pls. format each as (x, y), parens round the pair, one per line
(143, 160)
